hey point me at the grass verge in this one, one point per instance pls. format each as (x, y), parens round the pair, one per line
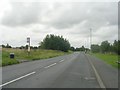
(108, 58)
(21, 54)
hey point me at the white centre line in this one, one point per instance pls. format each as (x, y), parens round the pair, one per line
(17, 79)
(61, 60)
(50, 65)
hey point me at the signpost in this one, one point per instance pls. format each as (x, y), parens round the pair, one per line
(28, 41)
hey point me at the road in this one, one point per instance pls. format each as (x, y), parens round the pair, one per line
(77, 70)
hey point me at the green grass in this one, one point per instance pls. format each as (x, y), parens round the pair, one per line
(23, 55)
(0, 58)
(108, 58)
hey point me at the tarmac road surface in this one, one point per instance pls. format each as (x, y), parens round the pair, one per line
(77, 70)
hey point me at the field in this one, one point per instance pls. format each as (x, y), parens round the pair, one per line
(108, 58)
(22, 54)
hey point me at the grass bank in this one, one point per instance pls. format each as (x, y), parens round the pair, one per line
(21, 54)
(108, 58)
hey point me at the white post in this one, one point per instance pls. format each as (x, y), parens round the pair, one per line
(28, 41)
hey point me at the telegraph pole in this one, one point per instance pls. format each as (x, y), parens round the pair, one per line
(90, 38)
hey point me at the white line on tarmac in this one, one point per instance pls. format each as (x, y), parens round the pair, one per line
(50, 65)
(61, 61)
(17, 79)
(97, 76)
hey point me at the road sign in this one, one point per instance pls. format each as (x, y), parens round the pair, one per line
(28, 39)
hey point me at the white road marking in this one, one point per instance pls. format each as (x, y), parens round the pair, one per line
(17, 79)
(97, 75)
(90, 78)
(61, 60)
(50, 65)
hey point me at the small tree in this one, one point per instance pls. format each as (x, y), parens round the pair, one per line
(8, 46)
(72, 48)
(3, 46)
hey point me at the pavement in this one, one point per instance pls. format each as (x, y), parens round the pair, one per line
(77, 70)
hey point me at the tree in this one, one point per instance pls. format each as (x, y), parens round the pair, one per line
(82, 48)
(55, 43)
(72, 48)
(8, 46)
(95, 48)
(77, 49)
(118, 47)
(111, 49)
(115, 46)
(22, 47)
(26, 47)
(3, 46)
(105, 46)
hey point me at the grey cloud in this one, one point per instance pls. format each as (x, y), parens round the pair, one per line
(97, 14)
(72, 20)
(63, 15)
(23, 13)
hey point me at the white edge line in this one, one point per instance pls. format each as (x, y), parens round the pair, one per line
(61, 60)
(50, 65)
(17, 79)
(97, 75)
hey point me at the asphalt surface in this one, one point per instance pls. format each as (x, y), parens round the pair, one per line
(77, 70)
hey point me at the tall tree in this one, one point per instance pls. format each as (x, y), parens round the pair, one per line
(105, 46)
(55, 43)
(115, 46)
(119, 47)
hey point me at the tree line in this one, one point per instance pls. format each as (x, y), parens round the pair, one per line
(6, 46)
(55, 42)
(79, 49)
(106, 47)
(21, 47)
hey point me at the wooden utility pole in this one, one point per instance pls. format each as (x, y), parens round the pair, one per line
(90, 38)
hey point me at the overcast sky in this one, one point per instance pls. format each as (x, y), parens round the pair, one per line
(73, 20)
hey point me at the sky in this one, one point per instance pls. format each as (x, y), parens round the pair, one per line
(72, 19)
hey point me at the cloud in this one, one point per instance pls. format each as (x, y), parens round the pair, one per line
(60, 15)
(23, 14)
(67, 15)
(73, 20)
